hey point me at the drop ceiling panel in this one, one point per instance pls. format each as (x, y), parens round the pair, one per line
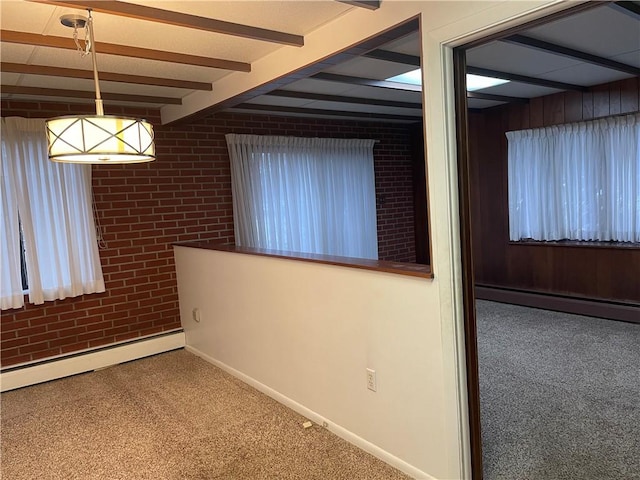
(515, 89)
(409, 45)
(631, 58)
(351, 107)
(477, 103)
(617, 32)
(14, 53)
(106, 87)
(355, 117)
(10, 78)
(318, 86)
(286, 16)
(586, 74)
(384, 94)
(279, 101)
(132, 66)
(511, 58)
(370, 68)
(27, 16)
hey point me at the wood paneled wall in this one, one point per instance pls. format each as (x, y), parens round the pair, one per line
(606, 273)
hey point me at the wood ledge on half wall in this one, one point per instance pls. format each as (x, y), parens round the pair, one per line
(399, 268)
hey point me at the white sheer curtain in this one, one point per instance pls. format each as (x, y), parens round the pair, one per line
(309, 195)
(53, 202)
(577, 181)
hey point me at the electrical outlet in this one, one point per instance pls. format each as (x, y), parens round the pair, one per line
(371, 380)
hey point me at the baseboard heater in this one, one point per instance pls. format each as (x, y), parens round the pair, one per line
(80, 362)
(625, 312)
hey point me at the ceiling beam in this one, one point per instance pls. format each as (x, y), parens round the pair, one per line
(25, 38)
(333, 113)
(142, 12)
(496, 98)
(56, 92)
(368, 4)
(571, 53)
(367, 82)
(485, 72)
(394, 57)
(106, 76)
(629, 8)
(342, 99)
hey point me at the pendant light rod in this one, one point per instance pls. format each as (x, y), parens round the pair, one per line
(92, 47)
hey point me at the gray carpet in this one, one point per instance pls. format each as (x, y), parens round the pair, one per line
(560, 395)
(172, 416)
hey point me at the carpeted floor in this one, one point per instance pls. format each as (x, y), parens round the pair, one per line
(172, 416)
(560, 395)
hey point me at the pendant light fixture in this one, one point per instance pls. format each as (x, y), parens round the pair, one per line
(97, 139)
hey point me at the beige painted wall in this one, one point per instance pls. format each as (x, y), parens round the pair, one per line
(308, 331)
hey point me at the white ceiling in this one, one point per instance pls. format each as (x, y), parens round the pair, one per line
(603, 31)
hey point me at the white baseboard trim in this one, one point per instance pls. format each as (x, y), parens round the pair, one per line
(318, 419)
(91, 360)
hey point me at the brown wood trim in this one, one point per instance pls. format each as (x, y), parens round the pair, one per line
(332, 113)
(57, 92)
(398, 268)
(577, 244)
(468, 294)
(142, 12)
(38, 40)
(342, 99)
(625, 312)
(571, 53)
(106, 76)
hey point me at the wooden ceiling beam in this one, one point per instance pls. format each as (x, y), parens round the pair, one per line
(106, 76)
(571, 53)
(368, 4)
(56, 92)
(332, 113)
(366, 82)
(38, 40)
(485, 72)
(394, 57)
(342, 99)
(168, 17)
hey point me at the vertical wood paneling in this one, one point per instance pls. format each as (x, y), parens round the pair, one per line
(604, 273)
(536, 108)
(614, 99)
(601, 99)
(629, 95)
(553, 106)
(572, 106)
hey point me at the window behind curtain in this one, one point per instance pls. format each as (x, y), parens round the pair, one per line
(307, 195)
(576, 182)
(50, 204)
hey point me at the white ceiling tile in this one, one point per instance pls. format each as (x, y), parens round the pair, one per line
(600, 31)
(511, 58)
(370, 68)
(515, 89)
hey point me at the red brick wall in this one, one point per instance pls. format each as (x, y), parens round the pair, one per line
(184, 195)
